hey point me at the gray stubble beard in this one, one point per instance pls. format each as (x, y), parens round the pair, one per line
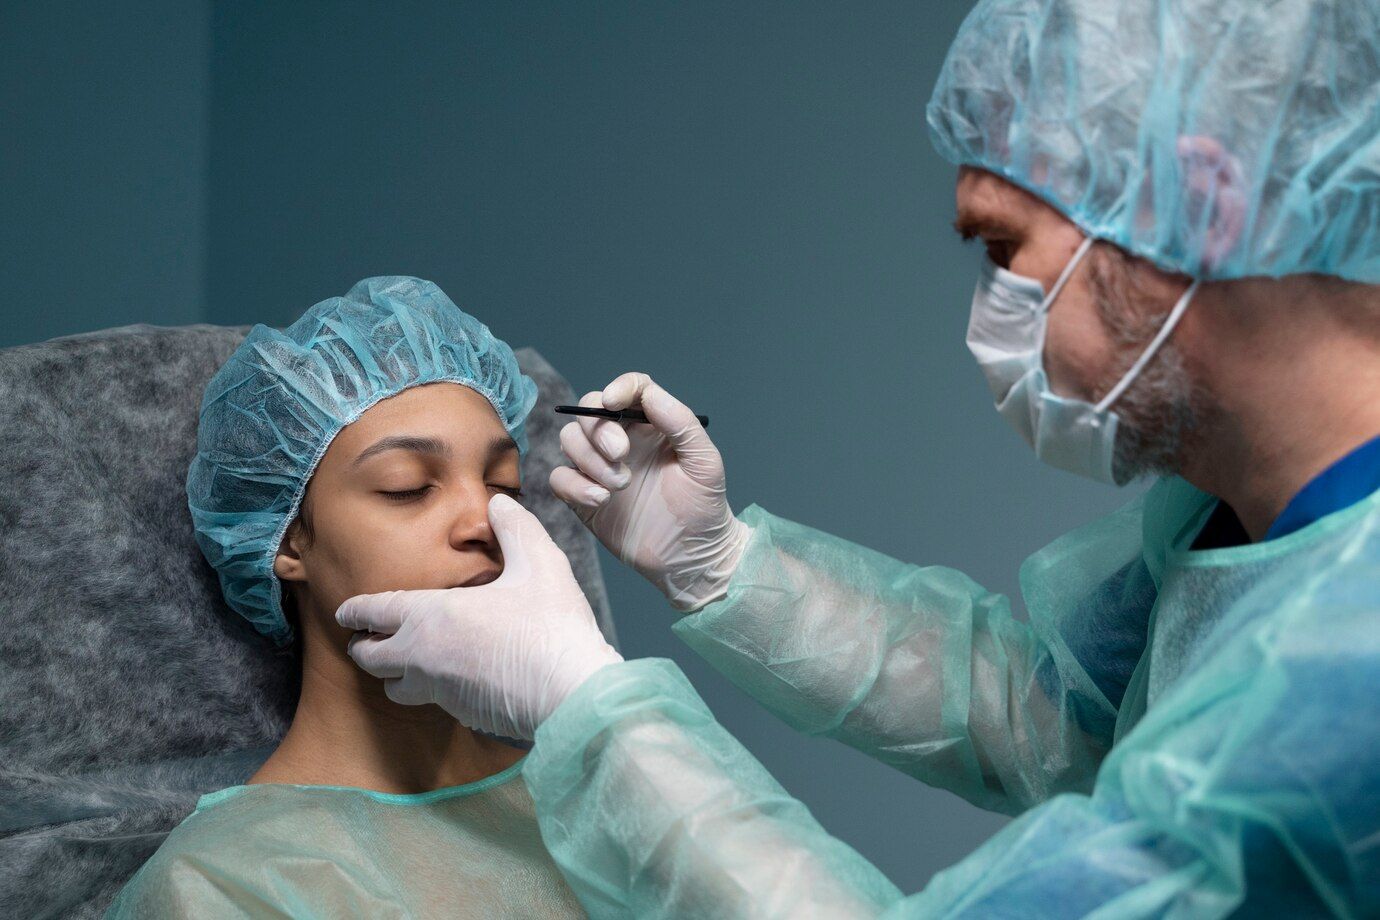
(1163, 410)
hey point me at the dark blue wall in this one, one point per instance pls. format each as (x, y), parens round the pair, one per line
(736, 197)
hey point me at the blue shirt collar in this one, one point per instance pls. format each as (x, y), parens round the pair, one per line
(1341, 485)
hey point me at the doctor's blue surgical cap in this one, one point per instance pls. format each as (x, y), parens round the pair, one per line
(1216, 138)
(271, 411)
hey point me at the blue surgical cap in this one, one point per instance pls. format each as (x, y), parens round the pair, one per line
(1217, 138)
(272, 410)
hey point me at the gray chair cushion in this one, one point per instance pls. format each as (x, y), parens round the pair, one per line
(127, 687)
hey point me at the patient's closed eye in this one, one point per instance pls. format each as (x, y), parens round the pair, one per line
(406, 494)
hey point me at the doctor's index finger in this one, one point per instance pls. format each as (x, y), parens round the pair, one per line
(606, 435)
(666, 413)
(625, 391)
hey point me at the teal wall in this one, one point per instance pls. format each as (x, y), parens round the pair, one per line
(103, 125)
(736, 197)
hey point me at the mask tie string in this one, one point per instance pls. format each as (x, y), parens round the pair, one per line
(1160, 338)
(1067, 273)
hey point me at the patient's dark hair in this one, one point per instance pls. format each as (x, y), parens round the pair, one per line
(303, 519)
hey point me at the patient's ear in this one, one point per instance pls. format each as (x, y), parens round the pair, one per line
(289, 565)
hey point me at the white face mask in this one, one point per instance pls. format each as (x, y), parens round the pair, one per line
(1006, 333)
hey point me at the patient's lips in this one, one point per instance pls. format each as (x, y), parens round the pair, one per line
(482, 577)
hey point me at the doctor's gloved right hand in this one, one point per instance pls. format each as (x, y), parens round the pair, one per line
(654, 494)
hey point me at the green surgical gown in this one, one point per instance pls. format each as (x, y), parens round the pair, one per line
(278, 850)
(1182, 733)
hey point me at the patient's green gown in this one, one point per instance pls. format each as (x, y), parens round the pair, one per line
(278, 850)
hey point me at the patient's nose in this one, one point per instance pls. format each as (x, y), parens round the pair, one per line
(470, 528)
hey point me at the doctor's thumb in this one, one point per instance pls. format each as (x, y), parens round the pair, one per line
(522, 538)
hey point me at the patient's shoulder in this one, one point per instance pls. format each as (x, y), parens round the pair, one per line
(273, 818)
(227, 850)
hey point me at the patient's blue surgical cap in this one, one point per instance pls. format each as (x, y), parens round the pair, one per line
(1218, 138)
(270, 413)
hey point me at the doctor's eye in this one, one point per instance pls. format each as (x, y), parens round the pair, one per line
(999, 251)
(407, 494)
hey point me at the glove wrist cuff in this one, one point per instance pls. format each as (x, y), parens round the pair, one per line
(570, 672)
(713, 582)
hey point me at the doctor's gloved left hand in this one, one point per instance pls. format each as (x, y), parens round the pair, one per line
(500, 657)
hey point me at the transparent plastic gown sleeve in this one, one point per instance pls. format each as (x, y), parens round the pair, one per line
(1246, 784)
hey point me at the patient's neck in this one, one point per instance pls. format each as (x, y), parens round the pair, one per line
(346, 732)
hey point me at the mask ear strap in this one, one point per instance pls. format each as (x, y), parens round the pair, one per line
(1160, 338)
(1067, 273)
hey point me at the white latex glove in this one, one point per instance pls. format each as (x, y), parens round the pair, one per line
(653, 494)
(499, 657)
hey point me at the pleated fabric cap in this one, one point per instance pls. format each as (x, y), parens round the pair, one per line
(1217, 138)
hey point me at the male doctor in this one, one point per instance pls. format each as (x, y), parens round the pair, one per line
(1180, 203)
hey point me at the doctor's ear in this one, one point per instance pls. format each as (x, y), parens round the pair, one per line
(1214, 197)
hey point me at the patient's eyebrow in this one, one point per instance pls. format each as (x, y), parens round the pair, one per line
(414, 443)
(501, 444)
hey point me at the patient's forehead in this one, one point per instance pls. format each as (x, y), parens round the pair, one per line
(447, 411)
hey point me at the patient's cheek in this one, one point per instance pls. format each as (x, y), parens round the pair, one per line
(366, 557)
(388, 562)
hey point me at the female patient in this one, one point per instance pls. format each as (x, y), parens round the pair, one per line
(355, 453)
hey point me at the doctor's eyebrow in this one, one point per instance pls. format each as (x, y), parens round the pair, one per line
(971, 226)
(414, 443)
